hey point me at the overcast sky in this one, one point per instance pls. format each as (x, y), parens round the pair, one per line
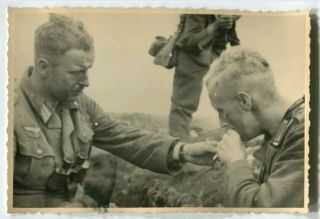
(124, 78)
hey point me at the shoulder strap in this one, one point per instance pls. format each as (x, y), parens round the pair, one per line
(294, 115)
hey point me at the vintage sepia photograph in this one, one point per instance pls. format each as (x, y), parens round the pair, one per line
(157, 110)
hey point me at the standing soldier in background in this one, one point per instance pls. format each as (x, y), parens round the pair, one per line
(201, 40)
(56, 124)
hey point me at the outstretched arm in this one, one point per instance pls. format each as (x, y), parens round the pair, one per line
(145, 149)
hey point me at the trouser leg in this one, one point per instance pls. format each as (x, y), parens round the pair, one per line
(184, 102)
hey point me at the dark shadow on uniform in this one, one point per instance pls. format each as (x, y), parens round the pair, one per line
(100, 178)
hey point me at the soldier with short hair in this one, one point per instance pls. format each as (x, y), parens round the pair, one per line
(242, 89)
(55, 125)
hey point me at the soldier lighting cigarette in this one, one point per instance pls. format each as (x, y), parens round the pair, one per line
(251, 143)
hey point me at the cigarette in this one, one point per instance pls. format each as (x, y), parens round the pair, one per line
(215, 157)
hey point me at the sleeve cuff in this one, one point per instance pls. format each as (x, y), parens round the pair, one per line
(174, 164)
(176, 150)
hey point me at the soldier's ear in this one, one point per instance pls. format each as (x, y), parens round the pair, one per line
(244, 100)
(43, 67)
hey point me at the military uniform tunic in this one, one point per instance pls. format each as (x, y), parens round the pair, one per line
(281, 179)
(45, 139)
(193, 63)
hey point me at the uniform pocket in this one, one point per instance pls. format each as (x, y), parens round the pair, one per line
(37, 149)
(86, 133)
(35, 163)
(85, 140)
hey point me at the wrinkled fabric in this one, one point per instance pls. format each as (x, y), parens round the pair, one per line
(41, 136)
(281, 180)
(194, 31)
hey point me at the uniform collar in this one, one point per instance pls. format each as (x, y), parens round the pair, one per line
(38, 101)
(260, 154)
(293, 108)
(287, 120)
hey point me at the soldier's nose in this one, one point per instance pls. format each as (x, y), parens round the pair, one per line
(84, 82)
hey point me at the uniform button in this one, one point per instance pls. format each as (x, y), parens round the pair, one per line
(39, 151)
(96, 123)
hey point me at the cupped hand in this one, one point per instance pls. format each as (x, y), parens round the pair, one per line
(231, 148)
(200, 153)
